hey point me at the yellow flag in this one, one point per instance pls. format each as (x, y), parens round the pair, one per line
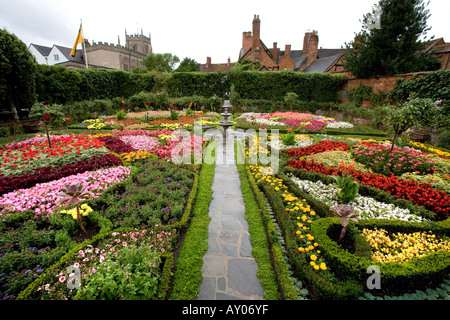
(77, 41)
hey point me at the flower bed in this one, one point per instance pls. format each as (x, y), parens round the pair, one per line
(322, 146)
(366, 207)
(419, 194)
(157, 193)
(45, 174)
(42, 197)
(130, 261)
(22, 157)
(397, 162)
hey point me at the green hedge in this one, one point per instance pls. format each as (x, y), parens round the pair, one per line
(395, 277)
(319, 87)
(56, 84)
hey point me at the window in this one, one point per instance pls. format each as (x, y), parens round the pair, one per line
(56, 57)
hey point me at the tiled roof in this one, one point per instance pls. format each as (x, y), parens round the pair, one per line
(42, 49)
(322, 64)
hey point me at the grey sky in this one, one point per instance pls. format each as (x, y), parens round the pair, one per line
(197, 28)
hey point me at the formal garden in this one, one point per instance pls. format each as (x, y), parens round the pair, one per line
(94, 206)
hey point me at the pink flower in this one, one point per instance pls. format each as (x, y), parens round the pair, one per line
(62, 279)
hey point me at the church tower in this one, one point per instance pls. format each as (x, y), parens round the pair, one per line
(139, 43)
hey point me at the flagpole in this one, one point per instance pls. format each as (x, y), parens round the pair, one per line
(84, 47)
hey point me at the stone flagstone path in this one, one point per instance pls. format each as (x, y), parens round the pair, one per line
(229, 269)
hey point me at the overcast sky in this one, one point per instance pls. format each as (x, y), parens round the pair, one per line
(197, 28)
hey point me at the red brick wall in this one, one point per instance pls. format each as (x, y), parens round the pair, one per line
(384, 84)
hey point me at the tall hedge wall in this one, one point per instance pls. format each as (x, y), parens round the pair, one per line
(56, 84)
(318, 87)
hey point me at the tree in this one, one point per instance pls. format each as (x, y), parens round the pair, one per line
(163, 62)
(389, 42)
(188, 65)
(17, 74)
(416, 112)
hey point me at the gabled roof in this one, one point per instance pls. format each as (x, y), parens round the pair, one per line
(43, 50)
(322, 64)
(66, 52)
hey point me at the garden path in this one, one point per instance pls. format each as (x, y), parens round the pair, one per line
(229, 269)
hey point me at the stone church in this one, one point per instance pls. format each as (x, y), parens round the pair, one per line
(99, 55)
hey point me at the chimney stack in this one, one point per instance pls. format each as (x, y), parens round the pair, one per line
(208, 62)
(229, 61)
(287, 50)
(313, 44)
(256, 32)
(275, 52)
(246, 40)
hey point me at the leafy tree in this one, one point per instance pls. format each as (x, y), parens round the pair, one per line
(416, 112)
(163, 62)
(17, 74)
(389, 42)
(247, 65)
(188, 65)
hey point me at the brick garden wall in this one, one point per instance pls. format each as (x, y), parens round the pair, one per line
(384, 84)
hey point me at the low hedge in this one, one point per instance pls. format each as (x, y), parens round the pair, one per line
(417, 273)
(321, 287)
(276, 281)
(188, 275)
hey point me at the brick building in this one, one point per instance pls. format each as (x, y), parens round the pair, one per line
(216, 67)
(311, 58)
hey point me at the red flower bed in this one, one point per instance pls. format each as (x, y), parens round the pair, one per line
(322, 146)
(420, 194)
(116, 145)
(45, 174)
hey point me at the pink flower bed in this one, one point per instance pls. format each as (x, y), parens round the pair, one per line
(142, 132)
(141, 142)
(294, 116)
(312, 125)
(42, 197)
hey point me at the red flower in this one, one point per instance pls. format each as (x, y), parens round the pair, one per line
(47, 106)
(46, 116)
(67, 119)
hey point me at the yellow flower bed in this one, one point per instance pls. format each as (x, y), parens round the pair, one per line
(429, 148)
(98, 135)
(403, 246)
(166, 136)
(95, 124)
(134, 155)
(170, 126)
(84, 211)
(297, 209)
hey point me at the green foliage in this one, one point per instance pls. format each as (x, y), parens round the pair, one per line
(413, 113)
(290, 99)
(347, 188)
(129, 277)
(289, 138)
(188, 65)
(162, 62)
(188, 275)
(17, 69)
(319, 87)
(434, 85)
(444, 139)
(358, 94)
(394, 46)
